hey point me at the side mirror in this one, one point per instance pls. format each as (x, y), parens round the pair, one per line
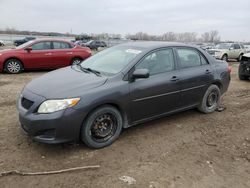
(28, 49)
(140, 73)
(231, 48)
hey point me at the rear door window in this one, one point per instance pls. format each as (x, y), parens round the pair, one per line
(236, 46)
(61, 45)
(190, 58)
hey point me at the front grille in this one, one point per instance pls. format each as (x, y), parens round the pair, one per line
(26, 103)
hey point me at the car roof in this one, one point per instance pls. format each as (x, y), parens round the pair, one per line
(50, 39)
(154, 44)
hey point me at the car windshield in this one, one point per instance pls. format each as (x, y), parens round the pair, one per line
(112, 60)
(24, 45)
(223, 46)
(89, 42)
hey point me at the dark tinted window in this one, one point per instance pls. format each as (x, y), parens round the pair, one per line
(41, 46)
(61, 45)
(236, 46)
(158, 62)
(190, 58)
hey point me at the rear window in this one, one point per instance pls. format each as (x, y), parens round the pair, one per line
(190, 58)
(61, 45)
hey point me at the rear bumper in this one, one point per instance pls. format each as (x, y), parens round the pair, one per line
(58, 127)
(244, 69)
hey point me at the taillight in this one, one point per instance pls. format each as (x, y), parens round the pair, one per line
(229, 69)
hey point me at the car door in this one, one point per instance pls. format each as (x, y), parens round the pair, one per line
(159, 93)
(196, 74)
(237, 51)
(62, 54)
(232, 52)
(40, 55)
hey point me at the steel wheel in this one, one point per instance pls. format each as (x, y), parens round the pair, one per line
(224, 58)
(212, 99)
(76, 61)
(103, 127)
(13, 66)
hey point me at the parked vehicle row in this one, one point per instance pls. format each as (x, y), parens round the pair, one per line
(92, 44)
(120, 87)
(42, 54)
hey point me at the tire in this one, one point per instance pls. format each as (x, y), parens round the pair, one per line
(240, 56)
(224, 57)
(13, 66)
(76, 61)
(102, 127)
(241, 77)
(210, 100)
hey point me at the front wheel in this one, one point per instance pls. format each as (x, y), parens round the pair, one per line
(224, 57)
(102, 127)
(240, 56)
(211, 100)
(76, 61)
(13, 66)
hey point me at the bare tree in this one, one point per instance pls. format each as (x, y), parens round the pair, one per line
(169, 36)
(205, 37)
(214, 36)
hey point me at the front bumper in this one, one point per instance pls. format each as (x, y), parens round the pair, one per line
(58, 127)
(218, 55)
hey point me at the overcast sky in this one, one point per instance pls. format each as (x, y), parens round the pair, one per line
(230, 17)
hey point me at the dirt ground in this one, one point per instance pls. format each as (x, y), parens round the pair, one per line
(189, 149)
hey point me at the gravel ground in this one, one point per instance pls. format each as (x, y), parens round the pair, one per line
(189, 149)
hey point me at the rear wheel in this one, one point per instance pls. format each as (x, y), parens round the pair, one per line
(225, 57)
(240, 56)
(13, 66)
(76, 61)
(211, 100)
(102, 127)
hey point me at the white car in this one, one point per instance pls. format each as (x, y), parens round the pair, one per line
(225, 51)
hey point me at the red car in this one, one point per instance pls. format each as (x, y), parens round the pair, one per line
(42, 54)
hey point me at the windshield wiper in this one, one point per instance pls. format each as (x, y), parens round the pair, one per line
(97, 73)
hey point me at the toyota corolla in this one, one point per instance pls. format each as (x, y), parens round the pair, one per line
(120, 87)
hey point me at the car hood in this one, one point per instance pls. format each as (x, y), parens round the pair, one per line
(7, 50)
(247, 55)
(65, 83)
(217, 50)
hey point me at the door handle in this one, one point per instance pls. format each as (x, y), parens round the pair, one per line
(208, 71)
(174, 78)
(69, 53)
(48, 54)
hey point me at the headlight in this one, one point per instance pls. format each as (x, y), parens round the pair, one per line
(218, 53)
(50, 106)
